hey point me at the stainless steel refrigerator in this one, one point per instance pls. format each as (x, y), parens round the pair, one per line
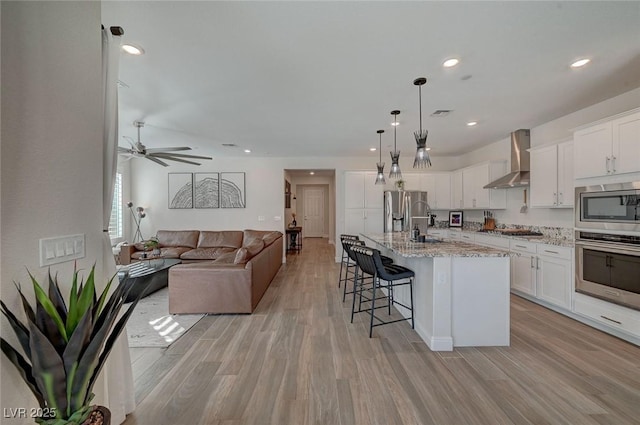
(404, 209)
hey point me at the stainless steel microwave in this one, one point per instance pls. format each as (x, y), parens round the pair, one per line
(608, 207)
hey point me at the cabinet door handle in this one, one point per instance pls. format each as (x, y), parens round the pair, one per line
(537, 263)
(523, 247)
(551, 252)
(532, 263)
(608, 161)
(613, 164)
(610, 319)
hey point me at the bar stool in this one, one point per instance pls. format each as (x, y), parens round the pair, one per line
(344, 263)
(384, 277)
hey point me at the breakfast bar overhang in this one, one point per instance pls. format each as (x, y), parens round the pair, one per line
(461, 290)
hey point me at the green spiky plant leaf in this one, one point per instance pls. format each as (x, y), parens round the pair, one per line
(63, 346)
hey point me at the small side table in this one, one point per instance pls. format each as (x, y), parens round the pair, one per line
(295, 239)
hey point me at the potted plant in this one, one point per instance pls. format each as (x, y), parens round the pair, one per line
(152, 244)
(400, 184)
(64, 346)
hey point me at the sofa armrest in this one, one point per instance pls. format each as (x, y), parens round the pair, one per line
(124, 257)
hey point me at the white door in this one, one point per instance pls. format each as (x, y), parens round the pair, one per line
(313, 226)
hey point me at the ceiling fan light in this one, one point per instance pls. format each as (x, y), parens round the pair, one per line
(133, 49)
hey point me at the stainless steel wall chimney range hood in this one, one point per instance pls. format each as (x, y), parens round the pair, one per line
(519, 175)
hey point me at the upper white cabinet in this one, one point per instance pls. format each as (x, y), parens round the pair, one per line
(607, 148)
(474, 178)
(360, 190)
(456, 190)
(552, 176)
(438, 188)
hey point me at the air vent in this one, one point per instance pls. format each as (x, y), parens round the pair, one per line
(441, 113)
(230, 145)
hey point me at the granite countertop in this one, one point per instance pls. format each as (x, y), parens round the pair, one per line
(549, 240)
(401, 244)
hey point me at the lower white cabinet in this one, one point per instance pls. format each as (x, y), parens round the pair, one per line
(543, 271)
(358, 221)
(554, 275)
(608, 314)
(523, 267)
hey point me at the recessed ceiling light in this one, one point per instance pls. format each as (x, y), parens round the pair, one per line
(311, 172)
(580, 63)
(132, 49)
(450, 62)
(472, 123)
(372, 149)
(247, 151)
(395, 124)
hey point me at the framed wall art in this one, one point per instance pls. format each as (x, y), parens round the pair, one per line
(232, 190)
(180, 190)
(206, 190)
(455, 218)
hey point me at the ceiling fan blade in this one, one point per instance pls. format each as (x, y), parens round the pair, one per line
(131, 142)
(170, 158)
(156, 160)
(174, 149)
(124, 150)
(181, 155)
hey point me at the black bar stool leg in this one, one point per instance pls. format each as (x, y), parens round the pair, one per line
(376, 283)
(356, 289)
(413, 324)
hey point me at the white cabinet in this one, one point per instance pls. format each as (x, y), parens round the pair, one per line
(552, 176)
(438, 188)
(358, 221)
(492, 241)
(608, 314)
(474, 178)
(608, 148)
(363, 201)
(456, 190)
(553, 274)
(543, 271)
(523, 267)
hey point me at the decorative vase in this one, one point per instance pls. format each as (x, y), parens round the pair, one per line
(100, 415)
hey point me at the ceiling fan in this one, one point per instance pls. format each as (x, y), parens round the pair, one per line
(157, 155)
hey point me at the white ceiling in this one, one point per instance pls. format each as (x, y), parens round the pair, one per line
(319, 78)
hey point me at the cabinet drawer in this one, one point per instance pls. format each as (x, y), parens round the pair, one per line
(493, 241)
(608, 314)
(468, 237)
(522, 246)
(555, 251)
(455, 234)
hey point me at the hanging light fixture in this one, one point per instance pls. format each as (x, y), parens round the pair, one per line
(422, 153)
(395, 172)
(380, 177)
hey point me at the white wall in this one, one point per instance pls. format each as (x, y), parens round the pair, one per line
(51, 148)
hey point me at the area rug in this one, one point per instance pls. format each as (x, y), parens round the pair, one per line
(151, 325)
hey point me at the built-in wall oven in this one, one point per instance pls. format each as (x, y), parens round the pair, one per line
(608, 267)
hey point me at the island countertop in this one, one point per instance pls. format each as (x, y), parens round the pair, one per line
(401, 243)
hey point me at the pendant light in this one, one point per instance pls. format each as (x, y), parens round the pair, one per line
(380, 177)
(395, 172)
(422, 153)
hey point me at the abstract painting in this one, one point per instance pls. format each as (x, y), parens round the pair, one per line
(232, 190)
(180, 190)
(205, 190)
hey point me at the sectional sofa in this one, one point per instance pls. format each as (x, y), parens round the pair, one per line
(221, 272)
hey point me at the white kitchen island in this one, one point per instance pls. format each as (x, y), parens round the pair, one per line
(461, 290)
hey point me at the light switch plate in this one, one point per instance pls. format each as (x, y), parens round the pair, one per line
(61, 248)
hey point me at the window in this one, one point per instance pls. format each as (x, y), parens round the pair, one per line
(115, 222)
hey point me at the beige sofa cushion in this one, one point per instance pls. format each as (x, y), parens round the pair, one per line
(247, 252)
(225, 239)
(171, 252)
(174, 238)
(206, 253)
(268, 236)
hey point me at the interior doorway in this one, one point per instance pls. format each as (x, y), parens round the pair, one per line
(310, 198)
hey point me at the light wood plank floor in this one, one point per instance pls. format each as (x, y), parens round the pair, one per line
(297, 360)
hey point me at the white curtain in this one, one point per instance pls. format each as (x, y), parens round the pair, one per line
(119, 394)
